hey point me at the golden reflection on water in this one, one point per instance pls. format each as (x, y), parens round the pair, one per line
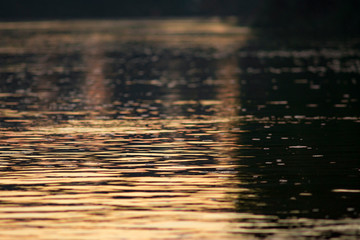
(135, 177)
(100, 193)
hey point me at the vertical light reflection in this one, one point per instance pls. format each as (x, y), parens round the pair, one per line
(95, 90)
(228, 91)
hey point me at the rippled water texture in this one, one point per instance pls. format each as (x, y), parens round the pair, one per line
(175, 129)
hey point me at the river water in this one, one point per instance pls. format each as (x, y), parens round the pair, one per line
(176, 129)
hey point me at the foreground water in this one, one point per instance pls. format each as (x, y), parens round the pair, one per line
(176, 129)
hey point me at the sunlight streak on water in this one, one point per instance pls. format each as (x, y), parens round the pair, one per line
(90, 153)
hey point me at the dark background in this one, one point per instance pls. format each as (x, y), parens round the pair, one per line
(340, 17)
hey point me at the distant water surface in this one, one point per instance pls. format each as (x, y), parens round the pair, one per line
(176, 129)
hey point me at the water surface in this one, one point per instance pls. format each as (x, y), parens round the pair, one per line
(175, 129)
